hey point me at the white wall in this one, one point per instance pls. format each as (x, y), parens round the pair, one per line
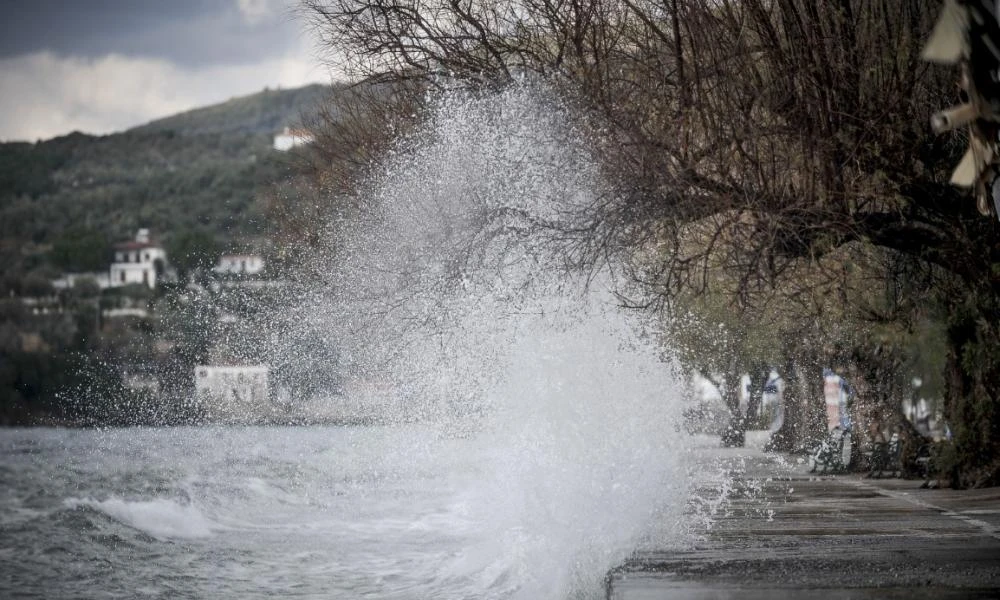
(69, 280)
(287, 140)
(247, 264)
(129, 273)
(136, 266)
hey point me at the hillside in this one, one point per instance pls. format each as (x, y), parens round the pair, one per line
(197, 171)
(264, 112)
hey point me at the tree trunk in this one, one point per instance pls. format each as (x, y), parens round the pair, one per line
(802, 404)
(735, 434)
(799, 401)
(785, 439)
(758, 381)
(972, 409)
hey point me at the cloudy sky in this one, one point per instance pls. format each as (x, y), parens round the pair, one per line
(100, 66)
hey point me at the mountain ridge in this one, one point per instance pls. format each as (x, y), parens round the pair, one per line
(266, 111)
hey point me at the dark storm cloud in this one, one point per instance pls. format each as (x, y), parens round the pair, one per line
(186, 32)
(100, 66)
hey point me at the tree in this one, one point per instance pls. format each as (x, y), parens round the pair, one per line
(192, 249)
(723, 345)
(34, 284)
(352, 131)
(81, 249)
(86, 288)
(803, 133)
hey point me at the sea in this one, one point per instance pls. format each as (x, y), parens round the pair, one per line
(399, 512)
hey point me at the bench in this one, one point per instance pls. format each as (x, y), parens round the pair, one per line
(830, 453)
(886, 457)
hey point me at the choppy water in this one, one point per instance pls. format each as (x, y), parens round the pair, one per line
(389, 512)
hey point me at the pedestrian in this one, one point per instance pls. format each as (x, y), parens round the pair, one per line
(878, 448)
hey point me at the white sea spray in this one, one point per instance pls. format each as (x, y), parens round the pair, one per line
(451, 301)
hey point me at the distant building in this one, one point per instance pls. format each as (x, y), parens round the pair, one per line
(70, 280)
(118, 313)
(290, 138)
(233, 394)
(139, 261)
(43, 305)
(241, 264)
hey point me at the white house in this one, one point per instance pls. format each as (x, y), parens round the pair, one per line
(232, 394)
(139, 261)
(242, 264)
(69, 280)
(290, 138)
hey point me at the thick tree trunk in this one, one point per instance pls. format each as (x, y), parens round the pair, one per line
(801, 399)
(866, 412)
(813, 423)
(972, 407)
(785, 439)
(795, 400)
(758, 380)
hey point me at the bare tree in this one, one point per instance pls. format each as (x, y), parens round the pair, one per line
(751, 136)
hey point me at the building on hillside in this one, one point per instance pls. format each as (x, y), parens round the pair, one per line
(43, 305)
(71, 280)
(290, 138)
(233, 394)
(126, 312)
(141, 260)
(239, 264)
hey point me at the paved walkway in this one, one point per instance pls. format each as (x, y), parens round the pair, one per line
(784, 533)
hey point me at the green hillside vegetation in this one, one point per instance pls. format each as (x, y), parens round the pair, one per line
(198, 171)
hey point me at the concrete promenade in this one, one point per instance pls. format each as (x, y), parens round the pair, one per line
(783, 533)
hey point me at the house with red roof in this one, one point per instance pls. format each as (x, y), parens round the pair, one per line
(142, 260)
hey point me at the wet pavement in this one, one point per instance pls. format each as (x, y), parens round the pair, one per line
(784, 533)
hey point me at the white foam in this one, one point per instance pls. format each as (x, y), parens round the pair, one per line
(160, 518)
(450, 290)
